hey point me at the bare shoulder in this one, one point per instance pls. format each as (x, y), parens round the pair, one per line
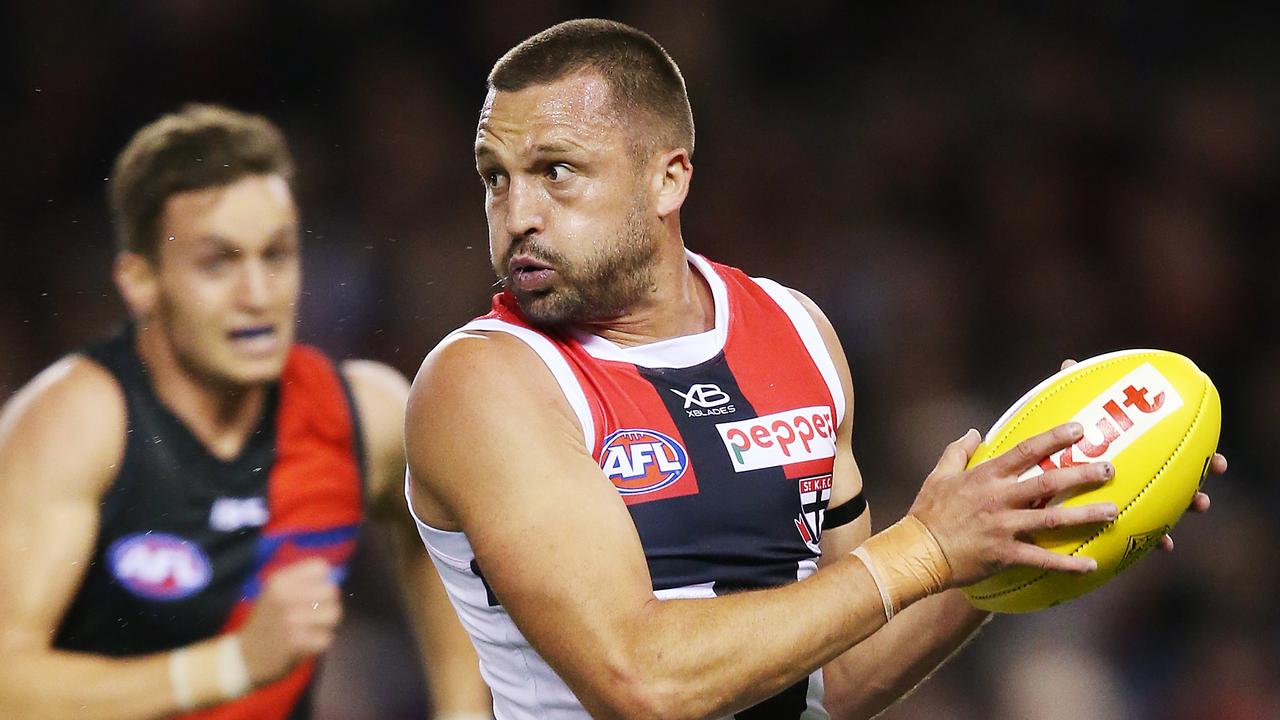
(479, 400)
(819, 317)
(74, 403)
(469, 368)
(378, 389)
(830, 339)
(375, 377)
(474, 381)
(380, 392)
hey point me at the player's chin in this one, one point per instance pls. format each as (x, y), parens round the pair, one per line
(256, 371)
(546, 308)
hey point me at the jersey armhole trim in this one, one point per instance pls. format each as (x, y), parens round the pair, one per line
(357, 435)
(812, 338)
(442, 537)
(555, 362)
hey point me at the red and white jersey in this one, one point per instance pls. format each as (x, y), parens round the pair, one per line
(721, 444)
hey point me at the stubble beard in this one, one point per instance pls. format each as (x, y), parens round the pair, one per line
(602, 287)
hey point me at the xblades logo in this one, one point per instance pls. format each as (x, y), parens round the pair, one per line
(708, 397)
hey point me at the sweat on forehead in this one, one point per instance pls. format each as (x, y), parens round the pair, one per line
(579, 99)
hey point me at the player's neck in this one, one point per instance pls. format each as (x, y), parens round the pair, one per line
(221, 415)
(679, 303)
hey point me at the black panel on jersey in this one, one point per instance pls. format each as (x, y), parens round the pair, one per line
(753, 543)
(737, 531)
(488, 591)
(167, 484)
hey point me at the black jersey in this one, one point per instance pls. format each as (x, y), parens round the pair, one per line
(185, 539)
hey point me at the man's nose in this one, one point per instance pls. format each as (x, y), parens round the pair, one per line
(255, 284)
(526, 208)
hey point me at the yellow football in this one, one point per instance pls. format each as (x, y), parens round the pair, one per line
(1151, 413)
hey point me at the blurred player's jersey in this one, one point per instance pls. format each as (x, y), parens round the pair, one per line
(186, 539)
(722, 446)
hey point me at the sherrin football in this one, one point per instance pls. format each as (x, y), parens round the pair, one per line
(1151, 413)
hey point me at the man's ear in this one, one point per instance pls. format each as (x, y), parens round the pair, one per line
(136, 279)
(671, 181)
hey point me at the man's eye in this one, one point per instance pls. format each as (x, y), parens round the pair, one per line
(216, 263)
(495, 180)
(557, 172)
(276, 255)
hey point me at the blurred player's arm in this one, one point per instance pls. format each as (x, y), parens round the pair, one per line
(450, 665)
(62, 439)
(886, 666)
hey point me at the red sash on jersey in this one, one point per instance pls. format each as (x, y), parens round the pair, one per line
(769, 358)
(314, 498)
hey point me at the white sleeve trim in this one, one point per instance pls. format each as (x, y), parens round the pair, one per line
(808, 330)
(555, 362)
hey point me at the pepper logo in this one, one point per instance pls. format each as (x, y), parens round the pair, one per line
(642, 461)
(158, 566)
(780, 439)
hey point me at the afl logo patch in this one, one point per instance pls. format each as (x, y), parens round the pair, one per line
(642, 461)
(158, 566)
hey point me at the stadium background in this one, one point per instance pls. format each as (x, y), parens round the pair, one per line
(972, 195)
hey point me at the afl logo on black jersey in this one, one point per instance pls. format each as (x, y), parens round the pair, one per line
(642, 461)
(159, 566)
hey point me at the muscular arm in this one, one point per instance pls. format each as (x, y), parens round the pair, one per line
(493, 442)
(449, 661)
(61, 440)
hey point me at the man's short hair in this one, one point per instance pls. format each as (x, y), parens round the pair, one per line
(199, 147)
(642, 77)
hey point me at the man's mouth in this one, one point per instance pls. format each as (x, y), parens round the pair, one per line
(249, 333)
(255, 341)
(529, 274)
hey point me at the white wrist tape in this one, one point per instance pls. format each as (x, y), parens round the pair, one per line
(233, 674)
(905, 562)
(861, 553)
(209, 673)
(180, 679)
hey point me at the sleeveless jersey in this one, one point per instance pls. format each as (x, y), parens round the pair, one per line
(186, 539)
(721, 444)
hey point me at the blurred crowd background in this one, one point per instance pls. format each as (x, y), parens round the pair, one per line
(971, 194)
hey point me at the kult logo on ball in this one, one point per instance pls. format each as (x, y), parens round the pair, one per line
(780, 439)
(641, 461)
(1117, 417)
(159, 566)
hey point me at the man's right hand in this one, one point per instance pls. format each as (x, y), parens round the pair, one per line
(293, 618)
(982, 518)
